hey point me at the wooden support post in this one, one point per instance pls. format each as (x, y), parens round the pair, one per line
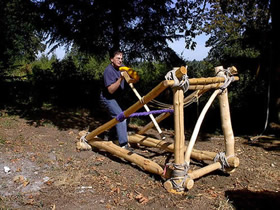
(225, 118)
(178, 105)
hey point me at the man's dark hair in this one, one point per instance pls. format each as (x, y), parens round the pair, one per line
(114, 52)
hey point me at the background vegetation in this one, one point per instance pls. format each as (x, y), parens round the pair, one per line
(242, 33)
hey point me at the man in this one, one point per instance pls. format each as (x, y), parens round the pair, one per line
(111, 93)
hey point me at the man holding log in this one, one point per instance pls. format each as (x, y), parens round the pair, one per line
(111, 93)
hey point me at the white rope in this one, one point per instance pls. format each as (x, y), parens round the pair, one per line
(184, 83)
(221, 157)
(180, 172)
(83, 144)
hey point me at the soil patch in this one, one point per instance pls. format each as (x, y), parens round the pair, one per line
(40, 168)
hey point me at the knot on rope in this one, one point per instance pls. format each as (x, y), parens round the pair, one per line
(120, 117)
(179, 176)
(83, 143)
(184, 83)
(221, 157)
(228, 77)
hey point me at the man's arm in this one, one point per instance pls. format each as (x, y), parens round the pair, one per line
(113, 87)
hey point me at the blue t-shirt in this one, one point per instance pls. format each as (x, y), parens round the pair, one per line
(110, 76)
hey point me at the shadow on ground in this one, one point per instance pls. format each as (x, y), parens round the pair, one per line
(246, 199)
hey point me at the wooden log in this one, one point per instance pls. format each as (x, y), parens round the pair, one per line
(208, 80)
(151, 142)
(163, 116)
(208, 169)
(169, 186)
(145, 99)
(169, 147)
(178, 105)
(205, 170)
(140, 161)
(151, 95)
(200, 82)
(225, 118)
(203, 87)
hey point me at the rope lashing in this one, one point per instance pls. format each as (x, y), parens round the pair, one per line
(121, 116)
(83, 138)
(184, 83)
(83, 143)
(228, 78)
(221, 157)
(180, 173)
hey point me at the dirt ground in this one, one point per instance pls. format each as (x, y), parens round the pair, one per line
(40, 168)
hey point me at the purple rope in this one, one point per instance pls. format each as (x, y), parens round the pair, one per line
(121, 116)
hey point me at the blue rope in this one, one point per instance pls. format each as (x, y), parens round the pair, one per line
(121, 116)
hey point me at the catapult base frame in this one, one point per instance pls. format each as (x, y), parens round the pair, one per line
(177, 176)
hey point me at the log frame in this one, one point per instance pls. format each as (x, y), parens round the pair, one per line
(182, 154)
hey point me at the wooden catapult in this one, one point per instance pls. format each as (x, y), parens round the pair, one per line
(177, 176)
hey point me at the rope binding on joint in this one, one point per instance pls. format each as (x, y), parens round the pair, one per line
(179, 176)
(221, 157)
(183, 83)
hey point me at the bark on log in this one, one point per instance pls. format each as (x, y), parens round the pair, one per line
(169, 147)
(179, 140)
(169, 186)
(140, 161)
(225, 118)
(205, 170)
(208, 80)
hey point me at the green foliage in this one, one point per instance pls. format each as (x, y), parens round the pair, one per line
(44, 62)
(140, 28)
(19, 33)
(238, 30)
(92, 66)
(197, 69)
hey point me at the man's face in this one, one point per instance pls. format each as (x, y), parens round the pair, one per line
(117, 60)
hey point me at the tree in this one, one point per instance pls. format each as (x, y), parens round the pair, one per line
(141, 28)
(244, 33)
(19, 32)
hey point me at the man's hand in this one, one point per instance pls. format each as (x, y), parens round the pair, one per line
(133, 74)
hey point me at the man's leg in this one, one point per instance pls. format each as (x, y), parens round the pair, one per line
(121, 128)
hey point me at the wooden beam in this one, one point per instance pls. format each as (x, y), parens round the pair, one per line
(163, 116)
(140, 161)
(169, 147)
(151, 95)
(145, 99)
